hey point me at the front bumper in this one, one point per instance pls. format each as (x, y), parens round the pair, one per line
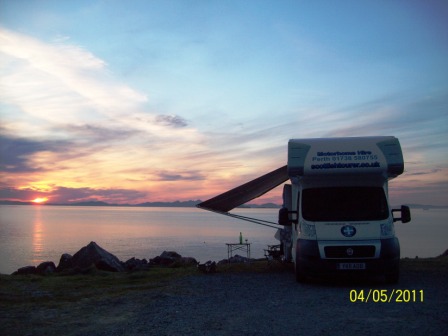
(310, 262)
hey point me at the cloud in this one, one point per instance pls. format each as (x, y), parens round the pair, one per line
(398, 113)
(427, 172)
(179, 176)
(14, 194)
(16, 153)
(74, 195)
(66, 117)
(64, 89)
(62, 195)
(71, 123)
(171, 120)
(96, 133)
(59, 84)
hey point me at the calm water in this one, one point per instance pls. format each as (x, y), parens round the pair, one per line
(30, 235)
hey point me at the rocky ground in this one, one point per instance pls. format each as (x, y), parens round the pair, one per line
(256, 299)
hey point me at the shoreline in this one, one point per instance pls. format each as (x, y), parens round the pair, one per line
(93, 255)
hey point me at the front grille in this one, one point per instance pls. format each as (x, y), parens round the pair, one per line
(367, 251)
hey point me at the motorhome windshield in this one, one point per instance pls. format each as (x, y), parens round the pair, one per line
(344, 204)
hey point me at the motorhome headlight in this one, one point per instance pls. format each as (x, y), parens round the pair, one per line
(387, 230)
(308, 230)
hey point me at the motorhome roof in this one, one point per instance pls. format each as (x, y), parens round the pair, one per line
(345, 156)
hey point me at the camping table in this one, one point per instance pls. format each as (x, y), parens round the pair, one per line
(235, 247)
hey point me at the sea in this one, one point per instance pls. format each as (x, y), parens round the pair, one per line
(31, 234)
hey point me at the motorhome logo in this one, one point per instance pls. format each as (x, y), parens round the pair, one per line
(348, 231)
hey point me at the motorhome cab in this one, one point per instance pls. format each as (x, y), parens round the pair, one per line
(336, 207)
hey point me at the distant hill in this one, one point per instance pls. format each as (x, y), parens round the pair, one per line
(426, 207)
(175, 204)
(265, 205)
(4, 202)
(189, 204)
(90, 203)
(100, 203)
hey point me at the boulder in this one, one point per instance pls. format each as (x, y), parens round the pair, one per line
(188, 261)
(46, 267)
(236, 259)
(93, 254)
(135, 264)
(167, 258)
(65, 262)
(208, 267)
(26, 270)
(159, 261)
(170, 255)
(173, 259)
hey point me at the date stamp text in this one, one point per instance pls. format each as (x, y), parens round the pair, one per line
(387, 295)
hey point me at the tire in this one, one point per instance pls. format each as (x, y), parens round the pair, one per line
(300, 275)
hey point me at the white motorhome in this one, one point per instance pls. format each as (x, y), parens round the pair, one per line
(336, 215)
(338, 206)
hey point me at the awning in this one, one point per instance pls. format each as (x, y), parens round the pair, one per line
(246, 192)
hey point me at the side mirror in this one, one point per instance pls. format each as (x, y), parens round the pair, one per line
(405, 214)
(283, 217)
(286, 217)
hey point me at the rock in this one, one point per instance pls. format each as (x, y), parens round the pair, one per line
(167, 258)
(93, 254)
(134, 264)
(188, 261)
(65, 262)
(46, 267)
(26, 270)
(170, 255)
(208, 267)
(173, 259)
(236, 259)
(444, 254)
(154, 261)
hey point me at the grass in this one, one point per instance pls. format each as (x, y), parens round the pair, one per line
(56, 290)
(59, 289)
(425, 264)
(86, 303)
(71, 302)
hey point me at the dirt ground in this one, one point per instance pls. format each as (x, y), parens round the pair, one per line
(253, 300)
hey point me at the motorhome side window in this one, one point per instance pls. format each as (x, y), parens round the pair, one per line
(344, 204)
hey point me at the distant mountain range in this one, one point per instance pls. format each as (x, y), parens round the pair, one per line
(426, 207)
(176, 204)
(188, 204)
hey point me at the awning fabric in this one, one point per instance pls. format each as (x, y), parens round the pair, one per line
(246, 192)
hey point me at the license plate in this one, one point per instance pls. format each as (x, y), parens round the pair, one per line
(351, 266)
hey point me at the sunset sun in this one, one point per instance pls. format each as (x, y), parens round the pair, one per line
(39, 200)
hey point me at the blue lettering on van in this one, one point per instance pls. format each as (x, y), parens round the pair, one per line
(375, 164)
(362, 152)
(335, 153)
(321, 159)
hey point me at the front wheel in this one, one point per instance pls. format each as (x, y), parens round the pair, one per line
(300, 275)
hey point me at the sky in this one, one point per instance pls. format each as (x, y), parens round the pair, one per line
(145, 101)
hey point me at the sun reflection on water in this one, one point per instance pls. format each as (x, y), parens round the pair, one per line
(38, 232)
